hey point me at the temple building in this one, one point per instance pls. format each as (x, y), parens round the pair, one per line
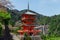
(28, 19)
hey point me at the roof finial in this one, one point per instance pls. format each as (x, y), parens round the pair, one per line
(28, 5)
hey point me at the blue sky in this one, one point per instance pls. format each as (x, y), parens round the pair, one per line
(44, 7)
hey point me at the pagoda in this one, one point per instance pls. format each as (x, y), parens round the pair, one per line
(28, 19)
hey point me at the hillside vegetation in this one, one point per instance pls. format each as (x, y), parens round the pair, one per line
(53, 21)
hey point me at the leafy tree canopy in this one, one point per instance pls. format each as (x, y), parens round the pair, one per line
(5, 15)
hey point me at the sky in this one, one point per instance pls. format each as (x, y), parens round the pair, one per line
(44, 7)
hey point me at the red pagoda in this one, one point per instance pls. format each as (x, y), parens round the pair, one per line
(28, 19)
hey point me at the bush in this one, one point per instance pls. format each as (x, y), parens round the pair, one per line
(43, 37)
(26, 37)
(16, 30)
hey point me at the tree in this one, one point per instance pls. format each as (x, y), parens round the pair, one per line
(0, 29)
(54, 25)
(5, 16)
(6, 3)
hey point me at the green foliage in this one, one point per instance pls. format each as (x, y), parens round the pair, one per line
(0, 29)
(15, 16)
(5, 15)
(4, 18)
(54, 25)
(45, 20)
(16, 30)
(51, 37)
(12, 23)
(26, 37)
(43, 37)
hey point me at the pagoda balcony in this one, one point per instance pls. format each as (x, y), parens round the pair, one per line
(28, 18)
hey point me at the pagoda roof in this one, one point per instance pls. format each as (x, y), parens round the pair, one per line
(26, 11)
